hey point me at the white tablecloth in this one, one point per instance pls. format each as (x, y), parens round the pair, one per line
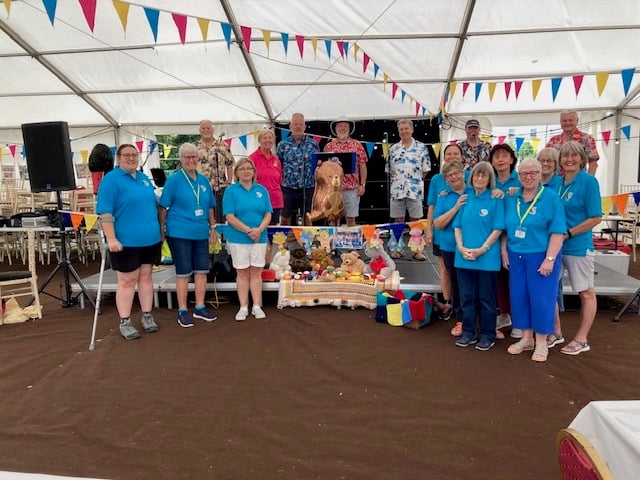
(614, 430)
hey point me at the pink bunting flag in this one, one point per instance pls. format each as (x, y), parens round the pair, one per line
(89, 11)
(300, 42)
(507, 89)
(501, 139)
(12, 149)
(577, 83)
(246, 37)
(139, 145)
(606, 136)
(517, 86)
(465, 87)
(365, 62)
(340, 45)
(181, 24)
(317, 138)
(227, 141)
(394, 90)
(417, 108)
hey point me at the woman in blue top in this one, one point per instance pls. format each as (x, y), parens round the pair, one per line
(129, 219)
(580, 196)
(248, 210)
(437, 184)
(503, 159)
(535, 228)
(449, 201)
(187, 219)
(477, 232)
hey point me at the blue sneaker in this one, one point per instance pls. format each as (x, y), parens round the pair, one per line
(204, 314)
(485, 344)
(185, 320)
(464, 341)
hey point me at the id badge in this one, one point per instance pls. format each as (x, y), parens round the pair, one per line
(199, 212)
(521, 232)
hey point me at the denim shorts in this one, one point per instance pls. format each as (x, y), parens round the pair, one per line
(189, 256)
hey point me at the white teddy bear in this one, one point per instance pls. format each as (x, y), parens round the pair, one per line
(280, 263)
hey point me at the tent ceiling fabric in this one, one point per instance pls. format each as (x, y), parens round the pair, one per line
(110, 77)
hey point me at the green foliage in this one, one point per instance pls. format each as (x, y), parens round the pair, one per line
(171, 162)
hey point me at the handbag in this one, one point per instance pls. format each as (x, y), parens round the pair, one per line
(221, 267)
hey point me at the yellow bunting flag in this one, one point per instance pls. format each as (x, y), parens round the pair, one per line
(203, 23)
(492, 90)
(485, 138)
(436, 148)
(601, 81)
(620, 201)
(452, 89)
(385, 79)
(535, 88)
(7, 5)
(367, 231)
(85, 155)
(314, 45)
(122, 9)
(76, 219)
(607, 202)
(535, 143)
(90, 220)
(166, 150)
(356, 48)
(266, 37)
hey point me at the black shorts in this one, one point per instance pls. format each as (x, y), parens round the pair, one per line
(296, 200)
(131, 258)
(436, 250)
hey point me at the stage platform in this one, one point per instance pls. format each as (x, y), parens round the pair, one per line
(414, 276)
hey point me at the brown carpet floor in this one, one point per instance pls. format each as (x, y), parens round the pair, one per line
(308, 393)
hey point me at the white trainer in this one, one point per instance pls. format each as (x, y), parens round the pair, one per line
(257, 312)
(242, 314)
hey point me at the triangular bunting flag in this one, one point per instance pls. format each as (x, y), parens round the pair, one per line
(7, 5)
(285, 42)
(50, 7)
(452, 89)
(397, 229)
(266, 38)
(535, 88)
(284, 133)
(76, 219)
(478, 89)
(181, 25)
(227, 142)
(327, 46)
(519, 142)
(314, 46)
(368, 231)
(627, 77)
(394, 89)
(365, 62)
(375, 69)
(203, 23)
(436, 149)
(346, 50)
(90, 220)
(507, 89)
(535, 143)
(636, 198)
(555, 86)
(516, 87)
(300, 42)
(620, 201)
(607, 203)
(89, 12)
(369, 147)
(84, 154)
(417, 108)
(492, 90)
(606, 135)
(340, 45)
(601, 81)
(385, 79)
(577, 83)
(139, 145)
(402, 95)
(501, 139)
(465, 87)
(152, 18)
(122, 9)
(246, 37)
(152, 146)
(12, 149)
(226, 33)
(166, 150)
(243, 141)
(317, 138)
(626, 130)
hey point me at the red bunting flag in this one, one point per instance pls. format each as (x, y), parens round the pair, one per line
(139, 145)
(227, 141)
(300, 42)
(517, 86)
(181, 24)
(365, 62)
(89, 11)
(606, 136)
(246, 37)
(465, 87)
(501, 139)
(340, 45)
(577, 83)
(394, 90)
(507, 89)
(12, 149)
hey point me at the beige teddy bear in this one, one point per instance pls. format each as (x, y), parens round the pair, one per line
(351, 263)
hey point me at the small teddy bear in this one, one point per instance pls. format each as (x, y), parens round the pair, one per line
(351, 263)
(320, 260)
(280, 263)
(299, 261)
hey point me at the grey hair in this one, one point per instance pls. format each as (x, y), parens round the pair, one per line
(187, 147)
(487, 169)
(574, 147)
(405, 121)
(549, 151)
(531, 162)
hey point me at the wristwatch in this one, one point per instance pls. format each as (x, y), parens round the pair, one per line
(551, 259)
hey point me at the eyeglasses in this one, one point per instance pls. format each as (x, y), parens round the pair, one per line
(190, 157)
(546, 160)
(528, 174)
(245, 169)
(128, 155)
(453, 174)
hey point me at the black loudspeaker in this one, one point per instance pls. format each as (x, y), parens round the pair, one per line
(48, 151)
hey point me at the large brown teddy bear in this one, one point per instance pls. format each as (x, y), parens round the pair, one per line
(328, 202)
(351, 263)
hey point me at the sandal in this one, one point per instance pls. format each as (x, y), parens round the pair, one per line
(499, 335)
(540, 353)
(575, 347)
(456, 331)
(419, 256)
(446, 311)
(520, 346)
(396, 255)
(554, 339)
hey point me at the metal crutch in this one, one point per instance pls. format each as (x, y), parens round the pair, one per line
(96, 312)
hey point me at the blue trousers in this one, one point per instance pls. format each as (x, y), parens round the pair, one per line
(478, 302)
(533, 296)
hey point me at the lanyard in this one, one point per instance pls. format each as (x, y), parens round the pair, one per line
(196, 191)
(535, 199)
(562, 193)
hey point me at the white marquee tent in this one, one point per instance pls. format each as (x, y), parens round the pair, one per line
(118, 71)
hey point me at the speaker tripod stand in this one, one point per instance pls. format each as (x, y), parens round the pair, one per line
(65, 266)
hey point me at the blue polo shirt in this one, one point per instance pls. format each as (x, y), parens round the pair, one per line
(480, 216)
(511, 181)
(188, 203)
(545, 218)
(581, 200)
(554, 182)
(249, 206)
(132, 202)
(446, 199)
